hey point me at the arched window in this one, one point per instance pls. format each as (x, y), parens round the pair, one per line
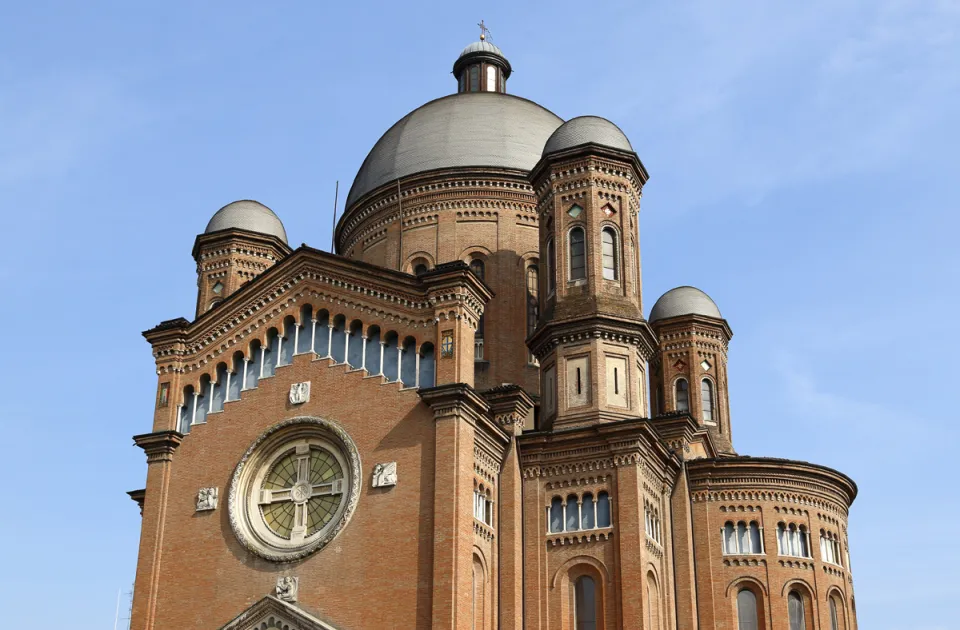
(747, 617)
(573, 514)
(660, 407)
(419, 268)
(836, 617)
(706, 399)
(551, 267)
(795, 611)
(610, 264)
(533, 297)
(556, 515)
(587, 512)
(729, 539)
(491, 79)
(653, 598)
(683, 395)
(578, 258)
(603, 510)
(804, 542)
(585, 603)
(474, 78)
(756, 543)
(479, 270)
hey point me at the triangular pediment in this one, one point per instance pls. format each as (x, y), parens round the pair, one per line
(271, 613)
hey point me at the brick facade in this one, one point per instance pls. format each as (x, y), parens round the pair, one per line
(587, 469)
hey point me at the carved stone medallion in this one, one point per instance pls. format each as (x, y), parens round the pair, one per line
(300, 393)
(207, 499)
(385, 475)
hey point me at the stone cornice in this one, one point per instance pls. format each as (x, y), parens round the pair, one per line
(223, 237)
(679, 327)
(553, 333)
(455, 399)
(159, 446)
(509, 405)
(712, 478)
(595, 447)
(308, 273)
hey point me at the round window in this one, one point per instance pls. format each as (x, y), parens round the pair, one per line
(295, 489)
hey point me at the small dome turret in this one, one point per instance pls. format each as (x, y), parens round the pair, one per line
(684, 301)
(587, 130)
(482, 67)
(248, 215)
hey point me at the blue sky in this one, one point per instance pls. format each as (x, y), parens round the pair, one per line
(803, 173)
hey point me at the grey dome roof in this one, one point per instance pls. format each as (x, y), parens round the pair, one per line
(469, 129)
(482, 46)
(584, 129)
(684, 301)
(247, 215)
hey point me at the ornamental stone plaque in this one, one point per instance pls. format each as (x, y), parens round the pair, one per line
(300, 393)
(385, 475)
(287, 587)
(207, 499)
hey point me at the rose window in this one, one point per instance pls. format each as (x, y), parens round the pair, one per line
(301, 491)
(295, 489)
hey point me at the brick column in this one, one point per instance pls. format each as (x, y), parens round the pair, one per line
(630, 537)
(159, 448)
(457, 409)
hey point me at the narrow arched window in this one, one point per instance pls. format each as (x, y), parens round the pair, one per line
(747, 617)
(474, 78)
(756, 544)
(419, 268)
(556, 515)
(834, 620)
(479, 270)
(743, 537)
(585, 603)
(573, 513)
(588, 512)
(660, 407)
(610, 263)
(533, 298)
(783, 543)
(706, 399)
(795, 611)
(804, 543)
(491, 79)
(683, 395)
(603, 510)
(578, 258)
(729, 539)
(551, 267)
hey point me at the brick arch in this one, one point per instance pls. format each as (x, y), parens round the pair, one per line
(565, 568)
(737, 583)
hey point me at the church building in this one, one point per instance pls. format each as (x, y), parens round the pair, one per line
(468, 417)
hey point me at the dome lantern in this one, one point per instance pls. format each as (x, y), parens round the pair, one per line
(482, 67)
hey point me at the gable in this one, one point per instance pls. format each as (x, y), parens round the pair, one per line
(272, 613)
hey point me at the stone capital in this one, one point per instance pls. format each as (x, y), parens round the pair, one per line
(159, 446)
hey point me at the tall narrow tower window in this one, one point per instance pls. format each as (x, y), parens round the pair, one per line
(795, 611)
(683, 395)
(533, 302)
(746, 610)
(706, 399)
(491, 79)
(551, 267)
(578, 259)
(585, 603)
(610, 264)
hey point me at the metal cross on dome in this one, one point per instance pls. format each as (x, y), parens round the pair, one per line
(484, 31)
(301, 492)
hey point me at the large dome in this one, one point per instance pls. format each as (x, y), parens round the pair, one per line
(469, 129)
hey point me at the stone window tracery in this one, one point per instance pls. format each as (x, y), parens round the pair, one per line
(830, 548)
(651, 517)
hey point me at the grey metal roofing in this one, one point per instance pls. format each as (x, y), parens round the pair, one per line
(584, 129)
(482, 46)
(247, 215)
(684, 301)
(460, 130)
